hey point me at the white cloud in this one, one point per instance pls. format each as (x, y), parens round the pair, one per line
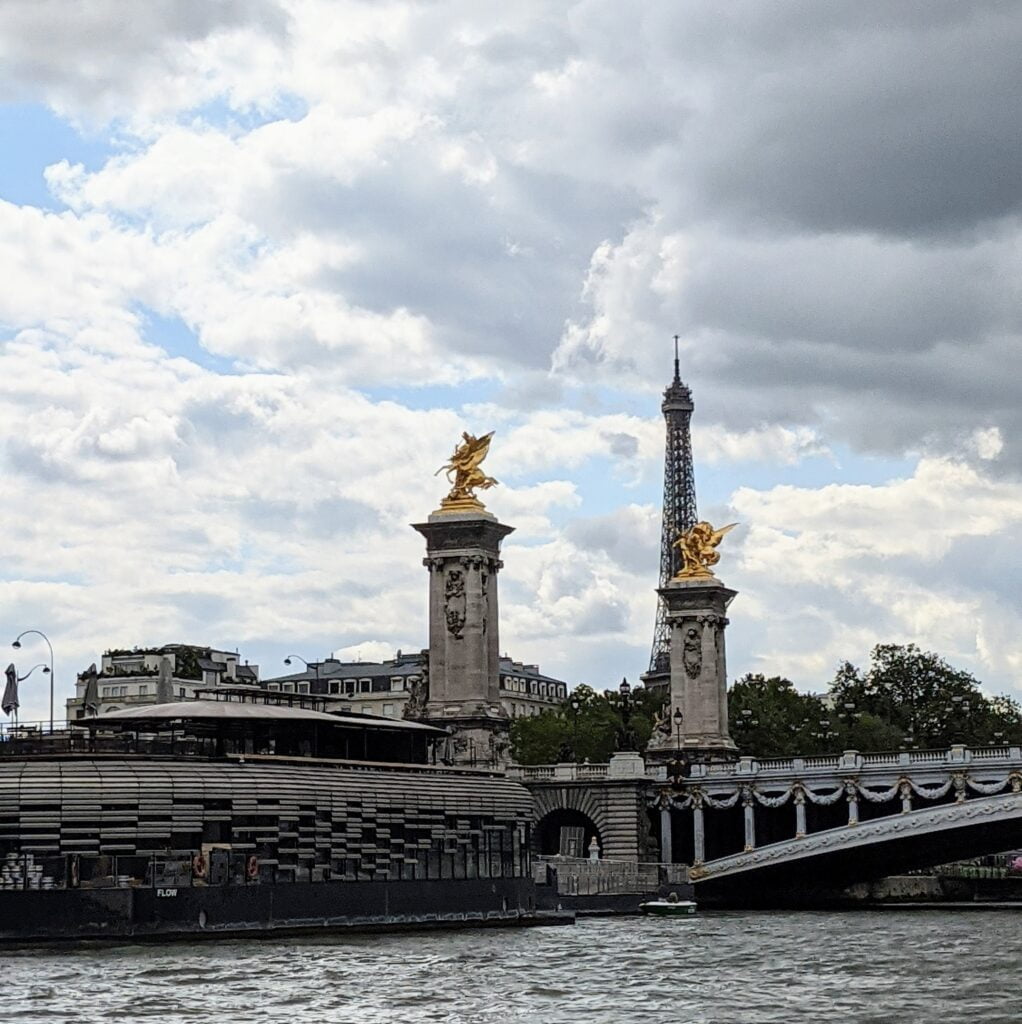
(347, 201)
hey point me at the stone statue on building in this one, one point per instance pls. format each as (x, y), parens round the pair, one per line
(418, 697)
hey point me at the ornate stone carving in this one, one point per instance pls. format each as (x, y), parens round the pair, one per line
(692, 652)
(454, 602)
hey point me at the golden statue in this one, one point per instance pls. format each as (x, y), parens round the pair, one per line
(698, 550)
(465, 476)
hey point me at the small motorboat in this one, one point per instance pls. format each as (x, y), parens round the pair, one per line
(670, 907)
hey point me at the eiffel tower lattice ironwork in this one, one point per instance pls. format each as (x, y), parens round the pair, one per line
(679, 503)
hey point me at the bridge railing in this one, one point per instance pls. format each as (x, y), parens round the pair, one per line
(625, 764)
(608, 877)
(848, 761)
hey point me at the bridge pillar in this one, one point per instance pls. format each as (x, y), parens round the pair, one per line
(852, 796)
(666, 838)
(696, 613)
(463, 559)
(698, 834)
(906, 798)
(749, 809)
(800, 813)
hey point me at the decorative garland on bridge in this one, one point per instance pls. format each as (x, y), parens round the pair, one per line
(851, 789)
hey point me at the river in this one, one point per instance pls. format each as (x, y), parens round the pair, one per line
(714, 968)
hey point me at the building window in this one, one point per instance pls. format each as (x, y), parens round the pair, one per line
(335, 687)
(273, 686)
(288, 687)
(106, 691)
(388, 710)
(303, 687)
(366, 709)
(181, 692)
(143, 690)
(364, 685)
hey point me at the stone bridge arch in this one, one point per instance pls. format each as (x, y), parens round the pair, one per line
(615, 810)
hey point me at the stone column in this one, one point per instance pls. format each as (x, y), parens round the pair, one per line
(696, 611)
(749, 811)
(698, 834)
(800, 814)
(666, 839)
(463, 559)
(906, 798)
(852, 796)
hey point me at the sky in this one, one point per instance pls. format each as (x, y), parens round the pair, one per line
(262, 262)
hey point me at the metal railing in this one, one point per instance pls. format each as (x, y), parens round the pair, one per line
(607, 877)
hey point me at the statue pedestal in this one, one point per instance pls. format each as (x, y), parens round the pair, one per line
(696, 612)
(463, 559)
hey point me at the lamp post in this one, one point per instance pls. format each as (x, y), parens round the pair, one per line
(575, 704)
(313, 665)
(626, 702)
(676, 766)
(17, 646)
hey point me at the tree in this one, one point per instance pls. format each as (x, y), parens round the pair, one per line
(770, 718)
(588, 726)
(918, 697)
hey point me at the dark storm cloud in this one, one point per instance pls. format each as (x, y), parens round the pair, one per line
(898, 118)
(845, 190)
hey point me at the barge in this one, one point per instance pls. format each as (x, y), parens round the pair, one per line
(244, 816)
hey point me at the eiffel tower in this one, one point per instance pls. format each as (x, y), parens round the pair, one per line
(679, 511)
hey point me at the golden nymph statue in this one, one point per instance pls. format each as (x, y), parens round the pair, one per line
(698, 550)
(465, 476)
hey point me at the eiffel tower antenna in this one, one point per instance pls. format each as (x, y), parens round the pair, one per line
(679, 512)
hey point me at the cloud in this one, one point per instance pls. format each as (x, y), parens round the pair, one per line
(376, 225)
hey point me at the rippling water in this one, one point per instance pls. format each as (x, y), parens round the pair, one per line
(714, 968)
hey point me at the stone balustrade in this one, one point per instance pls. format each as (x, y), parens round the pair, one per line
(851, 761)
(626, 764)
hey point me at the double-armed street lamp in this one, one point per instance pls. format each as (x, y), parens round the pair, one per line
(17, 646)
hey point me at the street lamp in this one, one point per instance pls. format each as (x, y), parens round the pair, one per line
(676, 766)
(575, 704)
(626, 702)
(313, 665)
(17, 646)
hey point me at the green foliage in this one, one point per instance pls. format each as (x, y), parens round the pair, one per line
(928, 702)
(588, 726)
(906, 699)
(770, 718)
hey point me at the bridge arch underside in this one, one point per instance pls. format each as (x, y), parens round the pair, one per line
(814, 870)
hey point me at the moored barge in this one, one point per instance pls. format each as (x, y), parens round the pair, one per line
(243, 816)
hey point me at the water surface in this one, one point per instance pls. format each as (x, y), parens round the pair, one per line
(714, 968)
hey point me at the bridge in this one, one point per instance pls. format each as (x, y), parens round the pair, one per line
(793, 830)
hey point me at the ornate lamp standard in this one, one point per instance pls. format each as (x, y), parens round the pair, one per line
(626, 703)
(17, 646)
(676, 767)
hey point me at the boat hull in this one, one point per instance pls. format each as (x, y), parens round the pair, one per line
(203, 912)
